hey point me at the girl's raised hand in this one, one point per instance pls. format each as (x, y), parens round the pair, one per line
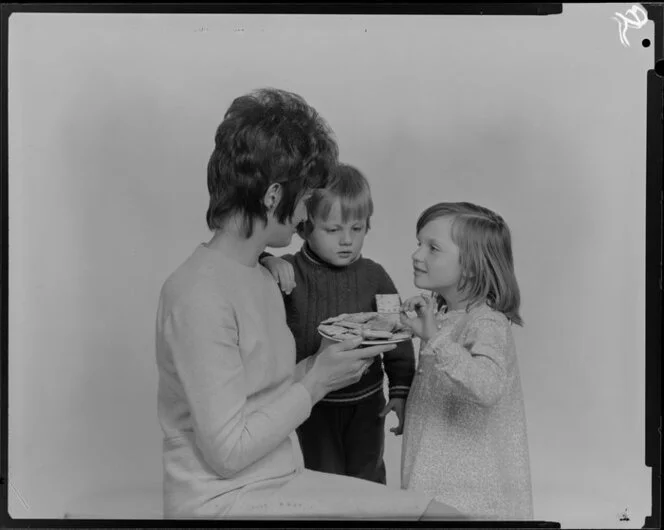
(424, 324)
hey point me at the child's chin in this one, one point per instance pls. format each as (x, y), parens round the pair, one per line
(338, 261)
(419, 283)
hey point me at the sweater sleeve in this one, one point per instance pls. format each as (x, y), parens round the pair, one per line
(400, 362)
(477, 370)
(203, 339)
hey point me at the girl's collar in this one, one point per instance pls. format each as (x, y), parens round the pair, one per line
(466, 309)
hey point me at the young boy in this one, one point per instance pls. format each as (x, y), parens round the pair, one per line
(328, 276)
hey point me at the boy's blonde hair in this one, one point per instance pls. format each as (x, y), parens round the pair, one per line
(485, 255)
(347, 185)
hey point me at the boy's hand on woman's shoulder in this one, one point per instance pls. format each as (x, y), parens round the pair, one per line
(282, 271)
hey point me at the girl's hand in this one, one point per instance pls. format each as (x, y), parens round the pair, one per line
(282, 271)
(398, 405)
(424, 324)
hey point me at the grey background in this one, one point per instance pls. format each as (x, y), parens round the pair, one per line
(111, 123)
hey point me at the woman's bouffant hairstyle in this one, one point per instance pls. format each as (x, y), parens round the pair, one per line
(485, 254)
(268, 136)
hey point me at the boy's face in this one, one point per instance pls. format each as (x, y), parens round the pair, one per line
(436, 264)
(336, 242)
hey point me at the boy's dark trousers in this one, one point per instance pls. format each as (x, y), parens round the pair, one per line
(346, 439)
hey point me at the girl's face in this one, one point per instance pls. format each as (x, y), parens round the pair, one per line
(337, 242)
(436, 265)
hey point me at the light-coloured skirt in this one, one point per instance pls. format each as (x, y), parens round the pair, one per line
(314, 495)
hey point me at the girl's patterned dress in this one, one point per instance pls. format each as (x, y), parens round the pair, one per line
(465, 439)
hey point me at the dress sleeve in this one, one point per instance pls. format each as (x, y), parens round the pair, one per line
(203, 339)
(478, 369)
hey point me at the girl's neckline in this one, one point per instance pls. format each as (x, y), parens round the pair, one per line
(447, 311)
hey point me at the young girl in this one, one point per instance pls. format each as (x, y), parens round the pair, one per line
(465, 436)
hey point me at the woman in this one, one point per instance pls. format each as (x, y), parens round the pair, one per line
(230, 395)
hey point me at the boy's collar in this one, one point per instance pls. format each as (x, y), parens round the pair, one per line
(308, 253)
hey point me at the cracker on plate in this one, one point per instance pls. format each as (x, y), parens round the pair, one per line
(332, 320)
(349, 325)
(359, 318)
(371, 326)
(371, 334)
(402, 335)
(332, 330)
(380, 323)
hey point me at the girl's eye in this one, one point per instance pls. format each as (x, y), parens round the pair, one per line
(358, 228)
(331, 230)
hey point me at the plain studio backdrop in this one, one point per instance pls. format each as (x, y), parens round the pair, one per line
(111, 123)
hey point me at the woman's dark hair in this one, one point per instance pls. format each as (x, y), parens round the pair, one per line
(267, 136)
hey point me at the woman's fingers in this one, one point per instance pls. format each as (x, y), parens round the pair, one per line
(325, 342)
(351, 349)
(371, 351)
(349, 344)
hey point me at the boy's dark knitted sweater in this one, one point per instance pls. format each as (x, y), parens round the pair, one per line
(324, 290)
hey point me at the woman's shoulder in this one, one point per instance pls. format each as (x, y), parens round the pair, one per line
(190, 291)
(201, 280)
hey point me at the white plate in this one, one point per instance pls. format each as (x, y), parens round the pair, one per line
(375, 342)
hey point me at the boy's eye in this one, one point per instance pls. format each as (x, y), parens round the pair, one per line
(358, 228)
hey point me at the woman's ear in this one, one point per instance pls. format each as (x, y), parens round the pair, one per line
(272, 196)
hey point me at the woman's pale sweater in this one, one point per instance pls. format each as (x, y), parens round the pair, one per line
(228, 405)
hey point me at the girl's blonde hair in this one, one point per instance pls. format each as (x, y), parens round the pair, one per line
(485, 255)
